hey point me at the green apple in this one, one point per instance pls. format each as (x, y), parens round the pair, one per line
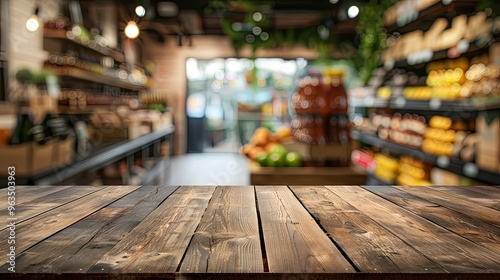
(275, 160)
(261, 158)
(293, 159)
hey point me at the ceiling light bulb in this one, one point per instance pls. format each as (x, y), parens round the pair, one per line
(140, 11)
(353, 11)
(32, 23)
(132, 30)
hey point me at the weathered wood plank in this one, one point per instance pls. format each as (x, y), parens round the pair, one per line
(227, 239)
(293, 240)
(451, 251)
(38, 205)
(159, 242)
(494, 191)
(48, 223)
(466, 207)
(477, 231)
(26, 193)
(490, 198)
(86, 241)
(367, 244)
(328, 276)
(489, 190)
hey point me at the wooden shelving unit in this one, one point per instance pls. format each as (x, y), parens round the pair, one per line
(81, 74)
(61, 35)
(103, 157)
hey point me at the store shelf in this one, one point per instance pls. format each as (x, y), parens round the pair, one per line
(103, 157)
(427, 15)
(456, 166)
(369, 102)
(89, 76)
(91, 45)
(434, 104)
(472, 50)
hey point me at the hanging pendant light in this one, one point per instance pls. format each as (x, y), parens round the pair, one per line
(132, 30)
(33, 23)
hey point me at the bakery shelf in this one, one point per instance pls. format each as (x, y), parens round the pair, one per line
(467, 169)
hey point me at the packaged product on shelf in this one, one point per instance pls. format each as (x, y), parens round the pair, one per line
(450, 138)
(386, 168)
(444, 178)
(404, 129)
(320, 117)
(488, 146)
(413, 172)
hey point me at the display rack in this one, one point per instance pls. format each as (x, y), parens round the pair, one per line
(434, 104)
(434, 10)
(91, 45)
(85, 75)
(467, 169)
(106, 156)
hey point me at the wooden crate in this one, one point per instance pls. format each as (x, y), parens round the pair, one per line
(306, 175)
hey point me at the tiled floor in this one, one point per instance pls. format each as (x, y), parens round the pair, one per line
(207, 169)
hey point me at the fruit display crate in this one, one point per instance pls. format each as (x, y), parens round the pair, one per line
(306, 175)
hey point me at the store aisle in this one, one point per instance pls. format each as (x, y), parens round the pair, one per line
(208, 169)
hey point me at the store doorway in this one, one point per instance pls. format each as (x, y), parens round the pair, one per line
(229, 98)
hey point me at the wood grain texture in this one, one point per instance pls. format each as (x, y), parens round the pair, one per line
(473, 194)
(48, 223)
(27, 193)
(492, 191)
(293, 240)
(227, 239)
(38, 205)
(472, 209)
(451, 251)
(86, 241)
(370, 246)
(159, 242)
(476, 231)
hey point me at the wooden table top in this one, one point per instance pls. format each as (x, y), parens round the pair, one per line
(261, 229)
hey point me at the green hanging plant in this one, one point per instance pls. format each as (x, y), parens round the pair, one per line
(372, 38)
(307, 36)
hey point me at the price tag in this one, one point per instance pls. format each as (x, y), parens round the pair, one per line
(435, 103)
(443, 161)
(400, 102)
(470, 170)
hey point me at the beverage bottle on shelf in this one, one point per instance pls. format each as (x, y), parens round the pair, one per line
(21, 132)
(319, 130)
(333, 130)
(336, 94)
